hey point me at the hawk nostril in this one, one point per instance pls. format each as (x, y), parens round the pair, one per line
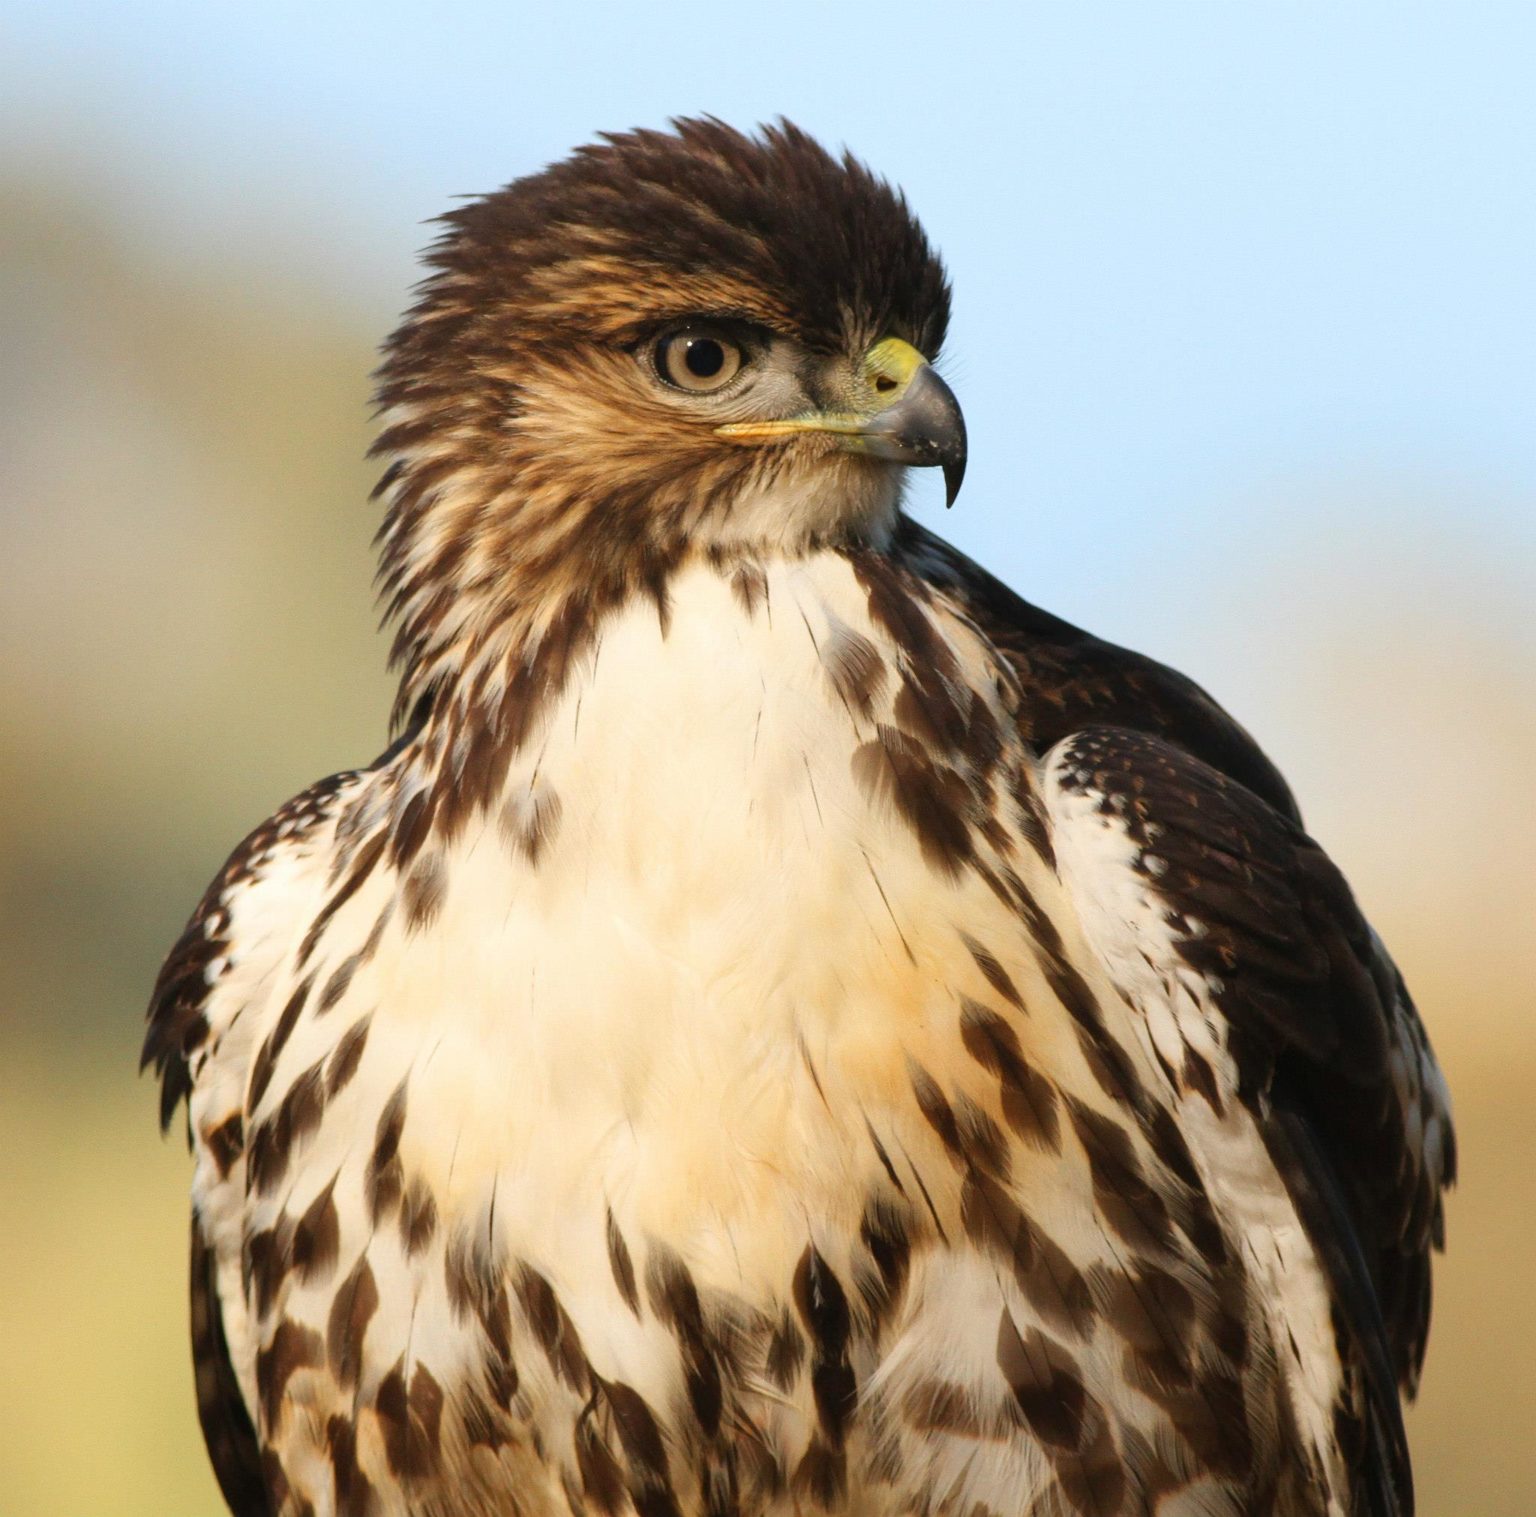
(884, 383)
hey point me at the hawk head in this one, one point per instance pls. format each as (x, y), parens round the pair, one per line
(671, 342)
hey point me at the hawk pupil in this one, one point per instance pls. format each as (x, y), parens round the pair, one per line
(704, 357)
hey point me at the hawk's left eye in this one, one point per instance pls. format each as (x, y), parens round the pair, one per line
(697, 359)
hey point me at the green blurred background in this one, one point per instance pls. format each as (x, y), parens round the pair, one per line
(1245, 335)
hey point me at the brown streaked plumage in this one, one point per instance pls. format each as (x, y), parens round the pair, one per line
(787, 1026)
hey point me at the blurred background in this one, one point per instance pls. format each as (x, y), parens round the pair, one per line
(1245, 324)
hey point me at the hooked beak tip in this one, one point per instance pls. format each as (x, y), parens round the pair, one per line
(954, 473)
(923, 428)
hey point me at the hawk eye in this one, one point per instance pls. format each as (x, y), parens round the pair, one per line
(698, 360)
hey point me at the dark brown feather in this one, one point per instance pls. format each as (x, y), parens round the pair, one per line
(221, 1409)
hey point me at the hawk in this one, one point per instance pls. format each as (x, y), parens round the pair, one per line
(787, 1026)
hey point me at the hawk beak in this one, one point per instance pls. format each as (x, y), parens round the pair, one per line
(921, 424)
(915, 418)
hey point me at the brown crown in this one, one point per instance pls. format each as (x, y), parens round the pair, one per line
(648, 226)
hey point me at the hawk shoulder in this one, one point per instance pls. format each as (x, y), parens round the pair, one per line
(1261, 988)
(206, 1011)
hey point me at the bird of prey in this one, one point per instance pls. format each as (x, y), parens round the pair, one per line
(787, 1026)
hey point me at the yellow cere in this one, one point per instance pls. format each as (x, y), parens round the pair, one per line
(892, 360)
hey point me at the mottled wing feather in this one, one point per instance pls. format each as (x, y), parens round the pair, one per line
(206, 1003)
(1327, 1047)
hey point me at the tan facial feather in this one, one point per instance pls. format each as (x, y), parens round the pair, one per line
(610, 298)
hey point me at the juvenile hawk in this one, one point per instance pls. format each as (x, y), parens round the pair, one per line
(788, 1026)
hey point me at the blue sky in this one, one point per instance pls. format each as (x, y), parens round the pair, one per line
(1239, 286)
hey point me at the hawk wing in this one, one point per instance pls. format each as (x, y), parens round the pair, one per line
(205, 1017)
(1260, 985)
